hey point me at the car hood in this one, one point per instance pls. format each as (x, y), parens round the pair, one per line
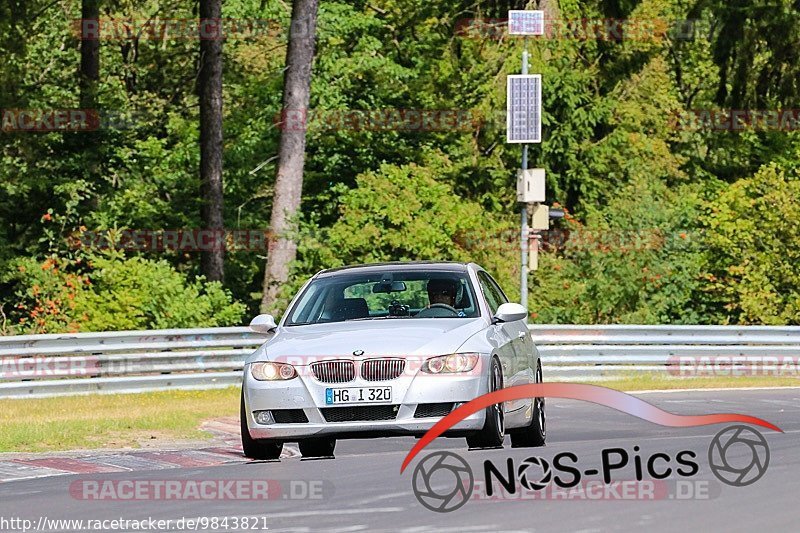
(412, 337)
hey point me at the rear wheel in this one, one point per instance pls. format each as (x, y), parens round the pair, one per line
(535, 434)
(319, 447)
(493, 432)
(257, 449)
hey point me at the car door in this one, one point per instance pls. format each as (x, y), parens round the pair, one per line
(518, 370)
(504, 333)
(523, 344)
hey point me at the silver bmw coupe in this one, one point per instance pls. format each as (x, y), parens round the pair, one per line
(389, 349)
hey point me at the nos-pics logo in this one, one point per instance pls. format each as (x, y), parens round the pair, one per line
(443, 481)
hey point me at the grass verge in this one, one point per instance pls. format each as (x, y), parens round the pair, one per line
(110, 421)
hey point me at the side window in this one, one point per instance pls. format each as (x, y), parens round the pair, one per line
(501, 296)
(489, 291)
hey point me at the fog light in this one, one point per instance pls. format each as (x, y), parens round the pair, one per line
(264, 417)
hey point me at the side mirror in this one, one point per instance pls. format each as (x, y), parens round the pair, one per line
(510, 313)
(263, 324)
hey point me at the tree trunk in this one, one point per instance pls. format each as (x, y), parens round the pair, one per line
(210, 92)
(291, 156)
(90, 56)
(89, 143)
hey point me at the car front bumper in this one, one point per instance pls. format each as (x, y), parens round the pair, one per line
(308, 394)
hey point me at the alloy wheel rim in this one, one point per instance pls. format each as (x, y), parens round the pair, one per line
(540, 403)
(498, 407)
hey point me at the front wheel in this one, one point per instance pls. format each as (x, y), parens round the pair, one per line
(257, 449)
(535, 434)
(493, 432)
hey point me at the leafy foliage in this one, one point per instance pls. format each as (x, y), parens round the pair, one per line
(641, 266)
(754, 249)
(110, 292)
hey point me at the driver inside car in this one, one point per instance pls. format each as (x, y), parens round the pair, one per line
(442, 291)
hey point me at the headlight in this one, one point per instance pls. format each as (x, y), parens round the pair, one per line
(272, 371)
(450, 364)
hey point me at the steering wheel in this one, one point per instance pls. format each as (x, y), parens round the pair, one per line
(444, 307)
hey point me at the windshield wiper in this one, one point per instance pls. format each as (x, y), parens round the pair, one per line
(375, 318)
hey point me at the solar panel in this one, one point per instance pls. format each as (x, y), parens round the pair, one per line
(524, 22)
(524, 109)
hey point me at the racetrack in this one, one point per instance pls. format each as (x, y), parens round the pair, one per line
(363, 489)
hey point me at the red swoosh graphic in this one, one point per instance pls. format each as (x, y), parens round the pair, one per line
(588, 393)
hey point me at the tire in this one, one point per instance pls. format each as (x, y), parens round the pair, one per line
(257, 449)
(493, 432)
(535, 434)
(319, 447)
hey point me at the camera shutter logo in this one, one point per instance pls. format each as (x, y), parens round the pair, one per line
(443, 482)
(527, 473)
(738, 456)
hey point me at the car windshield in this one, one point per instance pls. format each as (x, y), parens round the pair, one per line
(385, 294)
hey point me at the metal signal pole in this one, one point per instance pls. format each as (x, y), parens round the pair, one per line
(523, 281)
(523, 126)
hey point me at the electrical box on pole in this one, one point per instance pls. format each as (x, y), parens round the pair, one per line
(530, 185)
(540, 219)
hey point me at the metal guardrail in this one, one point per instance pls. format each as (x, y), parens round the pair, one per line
(123, 361)
(580, 352)
(135, 361)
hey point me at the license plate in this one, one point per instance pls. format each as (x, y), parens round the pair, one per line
(358, 395)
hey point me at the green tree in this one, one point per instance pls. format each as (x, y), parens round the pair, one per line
(754, 248)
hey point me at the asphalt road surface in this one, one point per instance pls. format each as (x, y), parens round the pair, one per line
(362, 488)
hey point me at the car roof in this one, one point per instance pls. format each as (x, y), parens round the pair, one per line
(448, 266)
